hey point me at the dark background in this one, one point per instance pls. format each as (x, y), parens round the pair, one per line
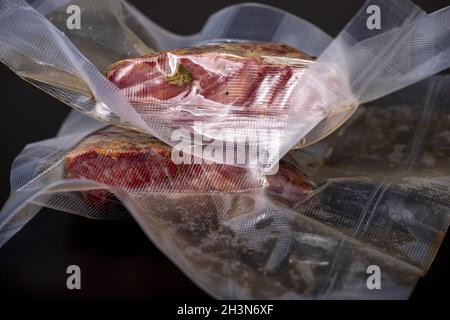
(116, 258)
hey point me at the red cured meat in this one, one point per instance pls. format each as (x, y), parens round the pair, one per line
(134, 161)
(239, 77)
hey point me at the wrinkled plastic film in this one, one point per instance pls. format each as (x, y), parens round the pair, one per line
(242, 234)
(34, 161)
(364, 64)
(98, 44)
(269, 25)
(406, 157)
(38, 51)
(310, 231)
(351, 70)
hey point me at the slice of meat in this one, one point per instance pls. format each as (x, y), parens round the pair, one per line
(213, 79)
(134, 161)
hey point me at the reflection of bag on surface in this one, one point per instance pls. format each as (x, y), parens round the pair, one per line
(384, 202)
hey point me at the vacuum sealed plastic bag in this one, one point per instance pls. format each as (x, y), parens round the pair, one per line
(237, 84)
(268, 97)
(373, 194)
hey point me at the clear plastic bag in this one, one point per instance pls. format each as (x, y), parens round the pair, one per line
(310, 231)
(359, 65)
